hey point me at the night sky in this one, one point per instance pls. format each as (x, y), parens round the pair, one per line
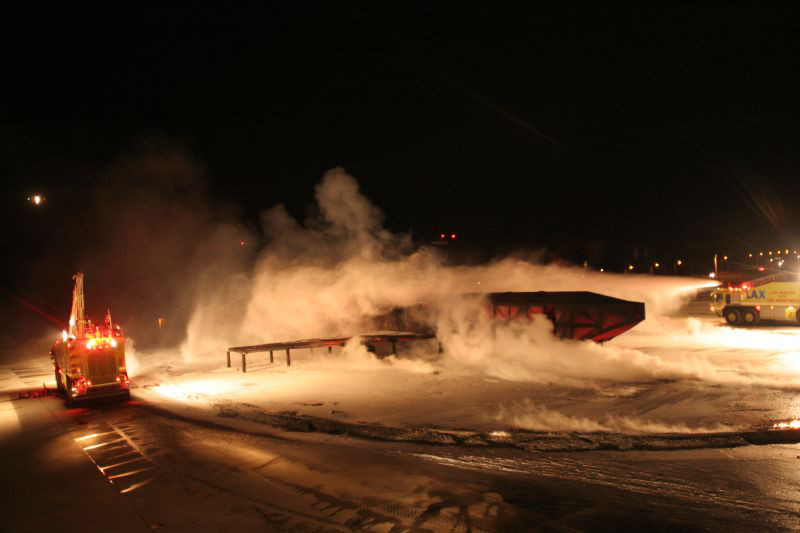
(613, 129)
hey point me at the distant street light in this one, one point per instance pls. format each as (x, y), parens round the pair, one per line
(36, 199)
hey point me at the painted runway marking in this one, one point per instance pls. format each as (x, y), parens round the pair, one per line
(112, 448)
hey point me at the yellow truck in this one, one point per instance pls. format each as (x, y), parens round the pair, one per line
(89, 359)
(775, 298)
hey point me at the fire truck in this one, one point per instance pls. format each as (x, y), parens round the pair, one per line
(775, 298)
(89, 359)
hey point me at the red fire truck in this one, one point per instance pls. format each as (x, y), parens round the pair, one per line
(89, 359)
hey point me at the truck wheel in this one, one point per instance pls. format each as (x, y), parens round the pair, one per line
(68, 394)
(749, 317)
(732, 316)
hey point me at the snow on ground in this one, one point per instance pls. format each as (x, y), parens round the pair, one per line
(745, 384)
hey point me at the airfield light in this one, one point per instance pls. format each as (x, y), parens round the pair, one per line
(712, 275)
(630, 267)
(36, 199)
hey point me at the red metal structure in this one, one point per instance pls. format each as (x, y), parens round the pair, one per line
(575, 315)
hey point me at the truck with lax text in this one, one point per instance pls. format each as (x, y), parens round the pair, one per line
(774, 298)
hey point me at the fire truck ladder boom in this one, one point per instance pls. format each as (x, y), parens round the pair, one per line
(77, 319)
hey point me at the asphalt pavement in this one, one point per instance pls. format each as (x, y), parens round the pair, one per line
(130, 467)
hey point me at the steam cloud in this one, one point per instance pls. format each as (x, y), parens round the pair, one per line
(324, 276)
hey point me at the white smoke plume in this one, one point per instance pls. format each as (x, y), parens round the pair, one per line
(322, 277)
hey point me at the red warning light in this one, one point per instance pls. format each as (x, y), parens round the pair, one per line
(442, 236)
(452, 236)
(761, 269)
(241, 243)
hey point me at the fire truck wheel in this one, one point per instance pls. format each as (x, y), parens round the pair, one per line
(749, 317)
(68, 394)
(732, 316)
